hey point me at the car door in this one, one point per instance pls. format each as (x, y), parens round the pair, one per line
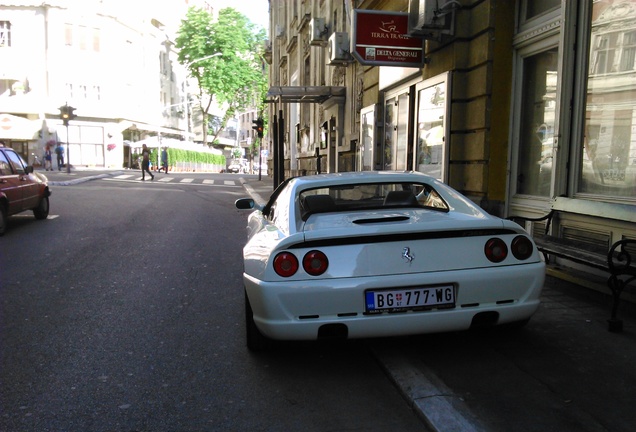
(10, 185)
(27, 184)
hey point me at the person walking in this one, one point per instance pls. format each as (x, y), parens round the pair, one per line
(164, 160)
(59, 151)
(145, 163)
(48, 160)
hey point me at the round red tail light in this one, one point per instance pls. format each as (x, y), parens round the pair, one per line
(285, 264)
(315, 263)
(496, 250)
(521, 247)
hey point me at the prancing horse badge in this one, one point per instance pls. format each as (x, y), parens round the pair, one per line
(406, 254)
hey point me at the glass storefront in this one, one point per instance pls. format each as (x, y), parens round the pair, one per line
(431, 127)
(608, 155)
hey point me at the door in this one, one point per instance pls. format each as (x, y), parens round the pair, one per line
(27, 185)
(396, 124)
(10, 185)
(535, 123)
(431, 126)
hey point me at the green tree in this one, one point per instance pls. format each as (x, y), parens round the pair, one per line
(236, 79)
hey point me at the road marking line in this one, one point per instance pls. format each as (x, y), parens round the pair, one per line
(187, 180)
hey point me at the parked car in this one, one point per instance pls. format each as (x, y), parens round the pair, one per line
(371, 254)
(263, 168)
(21, 188)
(238, 166)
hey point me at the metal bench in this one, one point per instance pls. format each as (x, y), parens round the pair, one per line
(618, 261)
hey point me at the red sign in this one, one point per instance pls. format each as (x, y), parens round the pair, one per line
(381, 39)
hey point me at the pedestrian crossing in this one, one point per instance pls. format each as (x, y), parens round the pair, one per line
(176, 180)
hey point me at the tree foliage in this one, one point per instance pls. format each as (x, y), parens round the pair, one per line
(236, 79)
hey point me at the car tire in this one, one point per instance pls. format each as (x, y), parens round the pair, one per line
(256, 341)
(42, 210)
(3, 219)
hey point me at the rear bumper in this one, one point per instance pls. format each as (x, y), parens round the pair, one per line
(297, 310)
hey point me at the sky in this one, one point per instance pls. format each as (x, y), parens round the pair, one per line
(256, 10)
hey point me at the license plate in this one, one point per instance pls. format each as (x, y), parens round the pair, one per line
(402, 299)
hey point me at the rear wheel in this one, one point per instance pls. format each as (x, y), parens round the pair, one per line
(42, 210)
(256, 341)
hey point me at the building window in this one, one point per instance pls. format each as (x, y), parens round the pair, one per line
(533, 8)
(96, 93)
(96, 40)
(628, 53)
(604, 53)
(68, 34)
(5, 34)
(86, 38)
(69, 90)
(536, 122)
(607, 159)
(431, 124)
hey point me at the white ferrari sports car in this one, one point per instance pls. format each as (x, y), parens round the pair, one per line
(374, 254)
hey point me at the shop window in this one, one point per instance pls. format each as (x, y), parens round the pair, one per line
(431, 124)
(607, 162)
(388, 134)
(396, 122)
(368, 135)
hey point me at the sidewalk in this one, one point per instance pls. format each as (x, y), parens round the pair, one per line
(563, 372)
(260, 190)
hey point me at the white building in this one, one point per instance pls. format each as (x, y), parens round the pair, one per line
(112, 60)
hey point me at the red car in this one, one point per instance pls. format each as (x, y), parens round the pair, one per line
(21, 188)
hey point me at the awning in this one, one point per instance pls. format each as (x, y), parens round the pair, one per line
(18, 128)
(128, 124)
(306, 94)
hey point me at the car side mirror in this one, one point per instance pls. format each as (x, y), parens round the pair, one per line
(245, 204)
(28, 169)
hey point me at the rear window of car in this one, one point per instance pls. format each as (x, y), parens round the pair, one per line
(370, 196)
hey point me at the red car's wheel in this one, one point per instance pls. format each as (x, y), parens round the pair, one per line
(42, 210)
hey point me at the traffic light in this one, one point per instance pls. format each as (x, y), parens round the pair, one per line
(67, 113)
(258, 126)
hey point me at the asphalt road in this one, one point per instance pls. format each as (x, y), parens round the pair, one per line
(124, 312)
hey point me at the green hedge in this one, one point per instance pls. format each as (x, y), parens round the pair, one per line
(187, 156)
(178, 155)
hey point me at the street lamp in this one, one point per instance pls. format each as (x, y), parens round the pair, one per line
(187, 98)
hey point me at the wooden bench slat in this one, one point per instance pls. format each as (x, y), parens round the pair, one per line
(573, 253)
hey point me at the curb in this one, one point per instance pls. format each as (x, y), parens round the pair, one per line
(437, 405)
(82, 179)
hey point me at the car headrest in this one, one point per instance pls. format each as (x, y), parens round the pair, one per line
(317, 204)
(400, 198)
